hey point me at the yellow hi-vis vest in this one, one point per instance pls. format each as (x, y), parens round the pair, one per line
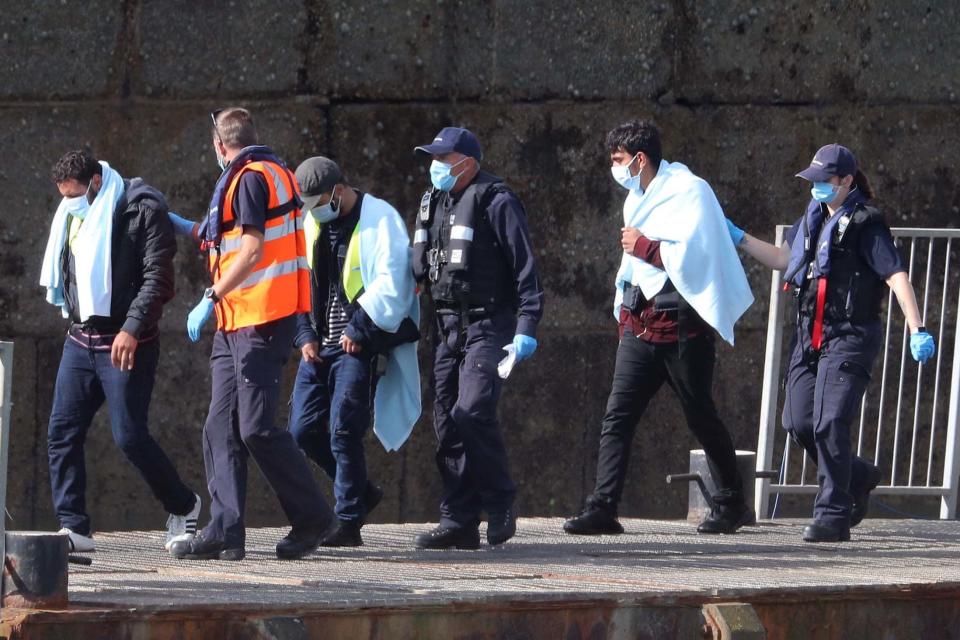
(352, 278)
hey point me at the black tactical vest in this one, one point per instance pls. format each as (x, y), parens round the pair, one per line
(854, 291)
(456, 251)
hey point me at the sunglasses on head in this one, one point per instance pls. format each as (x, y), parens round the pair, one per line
(213, 116)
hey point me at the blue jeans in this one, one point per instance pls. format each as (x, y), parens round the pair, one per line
(329, 415)
(85, 379)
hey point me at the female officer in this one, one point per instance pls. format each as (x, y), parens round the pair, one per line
(837, 257)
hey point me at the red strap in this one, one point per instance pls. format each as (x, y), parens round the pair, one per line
(817, 340)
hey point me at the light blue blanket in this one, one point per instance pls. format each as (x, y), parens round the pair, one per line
(91, 251)
(681, 211)
(389, 296)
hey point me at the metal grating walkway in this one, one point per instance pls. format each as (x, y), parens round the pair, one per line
(653, 559)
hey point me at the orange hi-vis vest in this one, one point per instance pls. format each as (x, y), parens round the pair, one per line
(279, 285)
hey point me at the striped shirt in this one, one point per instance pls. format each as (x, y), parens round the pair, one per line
(336, 315)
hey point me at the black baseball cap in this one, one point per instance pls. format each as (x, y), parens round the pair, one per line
(316, 176)
(831, 160)
(453, 139)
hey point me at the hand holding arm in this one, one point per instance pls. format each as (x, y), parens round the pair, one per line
(182, 226)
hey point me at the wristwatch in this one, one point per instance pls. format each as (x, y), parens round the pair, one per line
(921, 329)
(211, 295)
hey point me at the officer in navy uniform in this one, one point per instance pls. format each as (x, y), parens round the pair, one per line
(472, 252)
(838, 257)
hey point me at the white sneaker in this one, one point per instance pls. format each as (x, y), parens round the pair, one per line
(183, 527)
(79, 543)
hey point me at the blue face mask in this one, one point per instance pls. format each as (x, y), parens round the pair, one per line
(77, 206)
(621, 173)
(823, 191)
(441, 176)
(326, 212)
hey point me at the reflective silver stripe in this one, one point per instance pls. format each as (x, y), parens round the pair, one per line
(275, 270)
(420, 236)
(279, 184)
(276, 232)
(460, 232)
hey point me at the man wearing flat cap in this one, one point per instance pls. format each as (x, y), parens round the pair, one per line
(472, 252)
(358, 342)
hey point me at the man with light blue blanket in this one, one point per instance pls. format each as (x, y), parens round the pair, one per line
(359, 339)
(680, 279)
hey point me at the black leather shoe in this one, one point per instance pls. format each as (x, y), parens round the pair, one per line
(343, 534)
(298, 544)
(594, 521)
(727, 519)
(861, 497)
(199, 548)
(818, 531)
(447, 537)
(501, 526)
(372, 496)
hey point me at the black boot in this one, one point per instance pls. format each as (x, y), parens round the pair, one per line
(446, 537)
(594, 520)
(861, 496)
(727, 518)
(343, 534)
(501, 526)
(818, 531)
(298, 544)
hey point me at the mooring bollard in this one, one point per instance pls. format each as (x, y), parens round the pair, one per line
(698, 500)
(35, 570)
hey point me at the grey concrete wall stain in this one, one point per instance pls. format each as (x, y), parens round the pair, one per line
(744, 93)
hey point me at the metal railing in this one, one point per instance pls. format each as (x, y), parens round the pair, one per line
(909, 415)
(6, 386)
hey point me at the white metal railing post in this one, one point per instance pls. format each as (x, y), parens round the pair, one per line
(771, 389)
(948, 503)
(6, 385)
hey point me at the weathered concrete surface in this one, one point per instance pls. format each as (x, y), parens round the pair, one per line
(743, 97)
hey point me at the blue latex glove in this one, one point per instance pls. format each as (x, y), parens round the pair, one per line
(922, 346)
(198, 317)
(524, 345)
(181, 226)
(736, 233)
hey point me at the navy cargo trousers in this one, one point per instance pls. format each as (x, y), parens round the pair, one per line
(245, 367)
(471, 455)
(823, 395)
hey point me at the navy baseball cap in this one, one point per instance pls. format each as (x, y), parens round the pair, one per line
(831, 160)
(452, 139)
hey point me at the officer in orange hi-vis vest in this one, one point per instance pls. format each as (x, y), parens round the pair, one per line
(253, 237)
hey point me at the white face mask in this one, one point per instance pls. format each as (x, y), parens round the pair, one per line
(621, 173)
(77, 206)
(326, 212)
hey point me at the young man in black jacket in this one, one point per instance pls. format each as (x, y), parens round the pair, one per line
(111, 350)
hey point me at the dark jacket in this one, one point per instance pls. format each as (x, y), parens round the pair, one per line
(142, 264)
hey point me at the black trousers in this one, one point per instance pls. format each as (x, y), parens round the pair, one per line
(245, 367)
(641, 369)
(471, 455)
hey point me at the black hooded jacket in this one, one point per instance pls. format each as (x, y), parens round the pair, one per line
(142, 264)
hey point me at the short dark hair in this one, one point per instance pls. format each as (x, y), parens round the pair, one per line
(636, 136)
(79, 165)
(234, 127)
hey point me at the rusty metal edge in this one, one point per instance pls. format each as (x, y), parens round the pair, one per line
(78, 611)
